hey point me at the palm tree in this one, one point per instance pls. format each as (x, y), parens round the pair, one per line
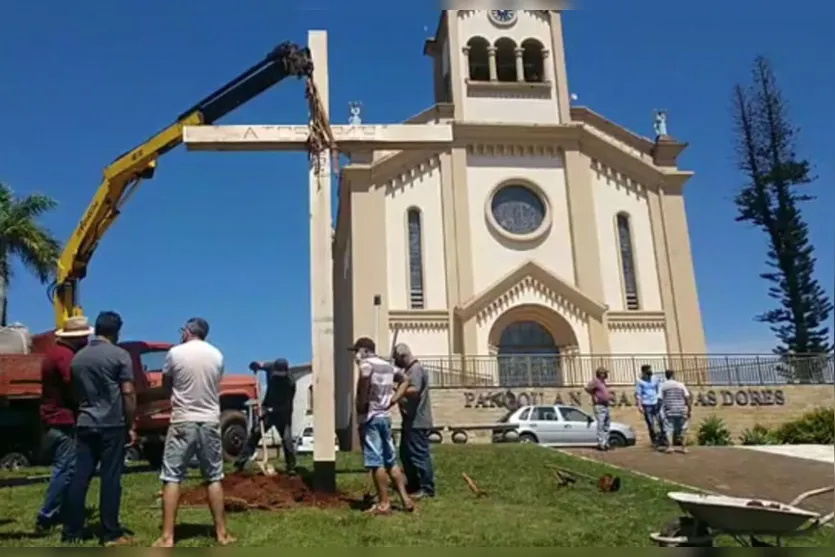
(21, 236)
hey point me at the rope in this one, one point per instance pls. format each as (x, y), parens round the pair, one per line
(321, 136)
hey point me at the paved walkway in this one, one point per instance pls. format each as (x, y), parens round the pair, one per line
(729, 471)
(819, 453)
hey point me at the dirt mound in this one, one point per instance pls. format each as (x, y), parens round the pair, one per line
(243, 492)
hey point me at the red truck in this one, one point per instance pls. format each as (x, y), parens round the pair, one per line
(20, 397)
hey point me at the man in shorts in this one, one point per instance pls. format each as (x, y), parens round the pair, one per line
(192, 373)
(375, 389)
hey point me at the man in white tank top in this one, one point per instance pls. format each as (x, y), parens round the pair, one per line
(192, 372)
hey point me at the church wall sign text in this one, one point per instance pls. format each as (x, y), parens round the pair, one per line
(511, 399)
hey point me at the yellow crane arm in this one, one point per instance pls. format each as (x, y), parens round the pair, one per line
(123, 176)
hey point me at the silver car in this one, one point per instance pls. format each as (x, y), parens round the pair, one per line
(562, 425)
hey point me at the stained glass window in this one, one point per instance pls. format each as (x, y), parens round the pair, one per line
(627, 259)
(416, 298)
(518, 210)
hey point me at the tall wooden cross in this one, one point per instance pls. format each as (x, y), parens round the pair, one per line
(363, 138)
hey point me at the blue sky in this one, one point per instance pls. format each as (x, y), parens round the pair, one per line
(225, 235)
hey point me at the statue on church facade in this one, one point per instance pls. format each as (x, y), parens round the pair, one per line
(355, 108)
(660, 123)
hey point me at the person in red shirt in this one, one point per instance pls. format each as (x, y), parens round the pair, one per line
(58, 416)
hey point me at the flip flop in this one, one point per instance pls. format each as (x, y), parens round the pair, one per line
(378, 510)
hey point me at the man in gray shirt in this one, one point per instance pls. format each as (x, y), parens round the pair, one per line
(412, 396)
(103, 382)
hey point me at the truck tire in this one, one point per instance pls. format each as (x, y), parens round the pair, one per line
(234, 432)
(14, 461)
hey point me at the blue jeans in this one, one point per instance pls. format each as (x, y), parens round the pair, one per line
(59, 443)
(676, 429)
(655, 425)
(104, 448)
(378, 444)
(416, 458)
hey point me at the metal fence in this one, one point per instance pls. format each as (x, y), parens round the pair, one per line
(538, 370)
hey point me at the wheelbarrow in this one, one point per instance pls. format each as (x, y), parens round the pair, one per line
(745, 520)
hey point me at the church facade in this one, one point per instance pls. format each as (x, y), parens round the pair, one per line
(544, 230)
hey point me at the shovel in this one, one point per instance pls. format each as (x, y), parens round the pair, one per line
(264, 464)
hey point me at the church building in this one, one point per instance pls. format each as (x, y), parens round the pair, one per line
(544, 230)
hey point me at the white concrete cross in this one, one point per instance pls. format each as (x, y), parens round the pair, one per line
(294, 138)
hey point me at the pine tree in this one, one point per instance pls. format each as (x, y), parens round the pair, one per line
(776, 186)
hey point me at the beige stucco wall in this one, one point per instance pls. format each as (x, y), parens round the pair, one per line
(459, 407)
(486, 105)
(643, 341)
(432, 338)
(615, 193)
(493, 256)
(418, 187)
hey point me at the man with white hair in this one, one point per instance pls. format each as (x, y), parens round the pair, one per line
(416, 423)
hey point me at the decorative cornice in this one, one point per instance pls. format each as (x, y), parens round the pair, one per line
(530, 273)
(573, 136)
(634, 157)
(512, 86)
(418, 319)
(434, 114)
(636, 320)
(592, 118)
(513, 150)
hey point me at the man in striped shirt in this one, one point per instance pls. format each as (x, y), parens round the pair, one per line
(375, 389)
(676, 407)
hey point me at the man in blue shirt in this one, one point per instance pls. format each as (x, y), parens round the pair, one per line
(649, 404)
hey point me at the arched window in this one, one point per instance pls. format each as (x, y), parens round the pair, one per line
(627, 261)
(533, 61)
(506, 60)
(479, 59)
(528, 355)
(415, 232)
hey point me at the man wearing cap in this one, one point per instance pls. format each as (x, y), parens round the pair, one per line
(416, 423)
(601, 400)
(58, 407)
(103, 383)
(277, 411)
(375, 389)
(192, 372)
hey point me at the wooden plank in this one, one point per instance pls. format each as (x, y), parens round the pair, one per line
(294, 138)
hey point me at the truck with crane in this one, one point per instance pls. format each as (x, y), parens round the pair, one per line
(20, 373)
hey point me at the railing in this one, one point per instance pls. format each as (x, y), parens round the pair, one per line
(576, 370)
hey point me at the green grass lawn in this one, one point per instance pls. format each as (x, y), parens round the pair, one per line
(524, 508)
